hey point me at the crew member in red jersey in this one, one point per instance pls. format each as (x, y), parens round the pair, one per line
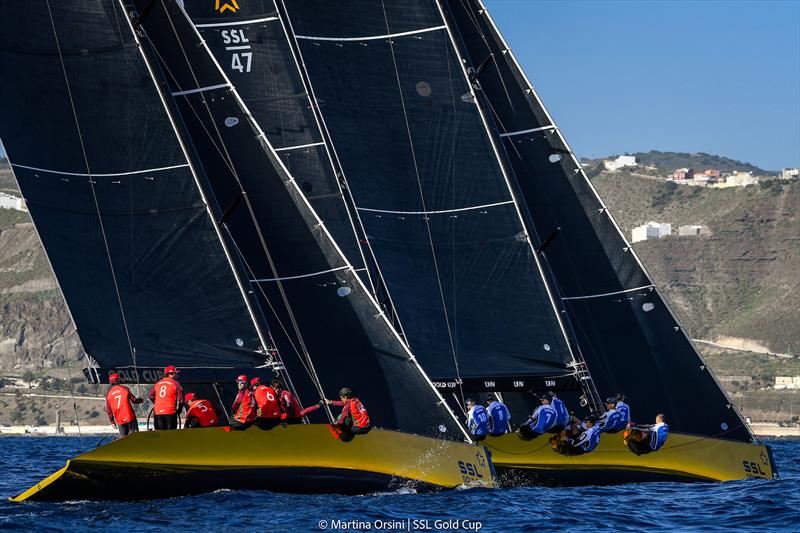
(354, 419)
(200, 413)
(167, 398)
(291, 411)
(244, 406)
(268, 413)
(119, 408)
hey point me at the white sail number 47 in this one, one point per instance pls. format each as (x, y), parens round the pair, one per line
(240, 60)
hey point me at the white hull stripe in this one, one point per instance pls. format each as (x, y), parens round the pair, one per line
(236, 23)
(145, 171)
(300, 276)
(607, 293)
(284, 149)
(460, 209)
(370, 38)
(522, 132)
(201, 89)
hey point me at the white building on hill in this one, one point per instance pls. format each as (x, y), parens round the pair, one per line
(741, 179)
(620, 162)
(8, 201)
(787, 382)
(693, 229)
(790, 173)
(651, 230)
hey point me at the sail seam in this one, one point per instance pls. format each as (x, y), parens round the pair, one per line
(300, 276)
(201, 89)
(457, 210)
(297, 147)
(133, 172)
(236, 23)
(586, 297)
(532, 130)
(371, 37)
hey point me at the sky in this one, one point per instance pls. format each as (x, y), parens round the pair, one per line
(713, 76)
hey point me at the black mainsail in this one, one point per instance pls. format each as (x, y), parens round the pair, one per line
(436, 206)
(119, 212)
(322, 316)
(630, 339)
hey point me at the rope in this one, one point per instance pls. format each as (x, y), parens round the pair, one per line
(72, 393)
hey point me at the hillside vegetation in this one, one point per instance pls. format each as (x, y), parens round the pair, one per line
(669, 161)
(744, 279)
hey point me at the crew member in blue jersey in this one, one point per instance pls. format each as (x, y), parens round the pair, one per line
(541, 421)
(612, 421)
(646, 439)
(477, 420)
(623, 408)
(588, 440)
(499, 417)
(562, 414)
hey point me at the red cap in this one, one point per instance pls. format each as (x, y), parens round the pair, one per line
(242, 378)
(170, 370)
(255, 381)
(190, 397)
(113, 377)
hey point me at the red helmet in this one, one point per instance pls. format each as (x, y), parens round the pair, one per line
(242, 378)
(113, 377)
(255, 381)
(190, 397)
(170, 370)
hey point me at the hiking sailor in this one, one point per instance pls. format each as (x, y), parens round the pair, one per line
(291, 412)
(167, 398)
(199, 413)
(268, 412)
(499, 417)
(119, 408)
(244, 406)
(477, 420)
(612, 421)
(623, 408)
(353, 418)
(645, 439)
(541, 421)
(588, 440)
(562, 414)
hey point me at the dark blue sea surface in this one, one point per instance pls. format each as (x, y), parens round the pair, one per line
(754, 505)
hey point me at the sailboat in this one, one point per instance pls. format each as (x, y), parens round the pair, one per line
(375, 179)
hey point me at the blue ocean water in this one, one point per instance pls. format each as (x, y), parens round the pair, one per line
(751, 505)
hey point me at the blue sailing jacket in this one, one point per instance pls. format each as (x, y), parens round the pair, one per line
(589, 439)
(478, 420)
(499, 418)
(625, 409)
(613, 421)
(562, 414)
(658, 436)
(542, 419)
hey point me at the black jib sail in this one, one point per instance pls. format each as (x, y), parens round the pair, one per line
(123, 222)
(630, 339)
(437, 209)
(329, 330)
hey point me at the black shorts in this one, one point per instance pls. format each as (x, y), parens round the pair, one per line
(127, 429)
(239, 426)
(477, 438)
(166, 421)
(266, 423)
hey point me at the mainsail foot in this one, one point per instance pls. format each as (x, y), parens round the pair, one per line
(683, 458)
(301, 458)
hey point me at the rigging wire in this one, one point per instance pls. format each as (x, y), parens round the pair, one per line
(422, 201)
(72, 393)
(91, 182)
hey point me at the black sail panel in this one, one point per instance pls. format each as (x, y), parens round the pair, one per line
(111, 194)
(251, 47)
(432, 196)
(630, 340)
(326, 326)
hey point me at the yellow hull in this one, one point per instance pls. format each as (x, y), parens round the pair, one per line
(299, 458)
(683, 458)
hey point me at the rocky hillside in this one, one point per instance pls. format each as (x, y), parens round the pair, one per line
(669, 161)
(743, 280)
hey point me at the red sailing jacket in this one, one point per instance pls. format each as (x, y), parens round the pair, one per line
(166, 396)
(267, 402)
(290, 407)
(354, 408)
(244, 407)
(118, 404)
(203, 411)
